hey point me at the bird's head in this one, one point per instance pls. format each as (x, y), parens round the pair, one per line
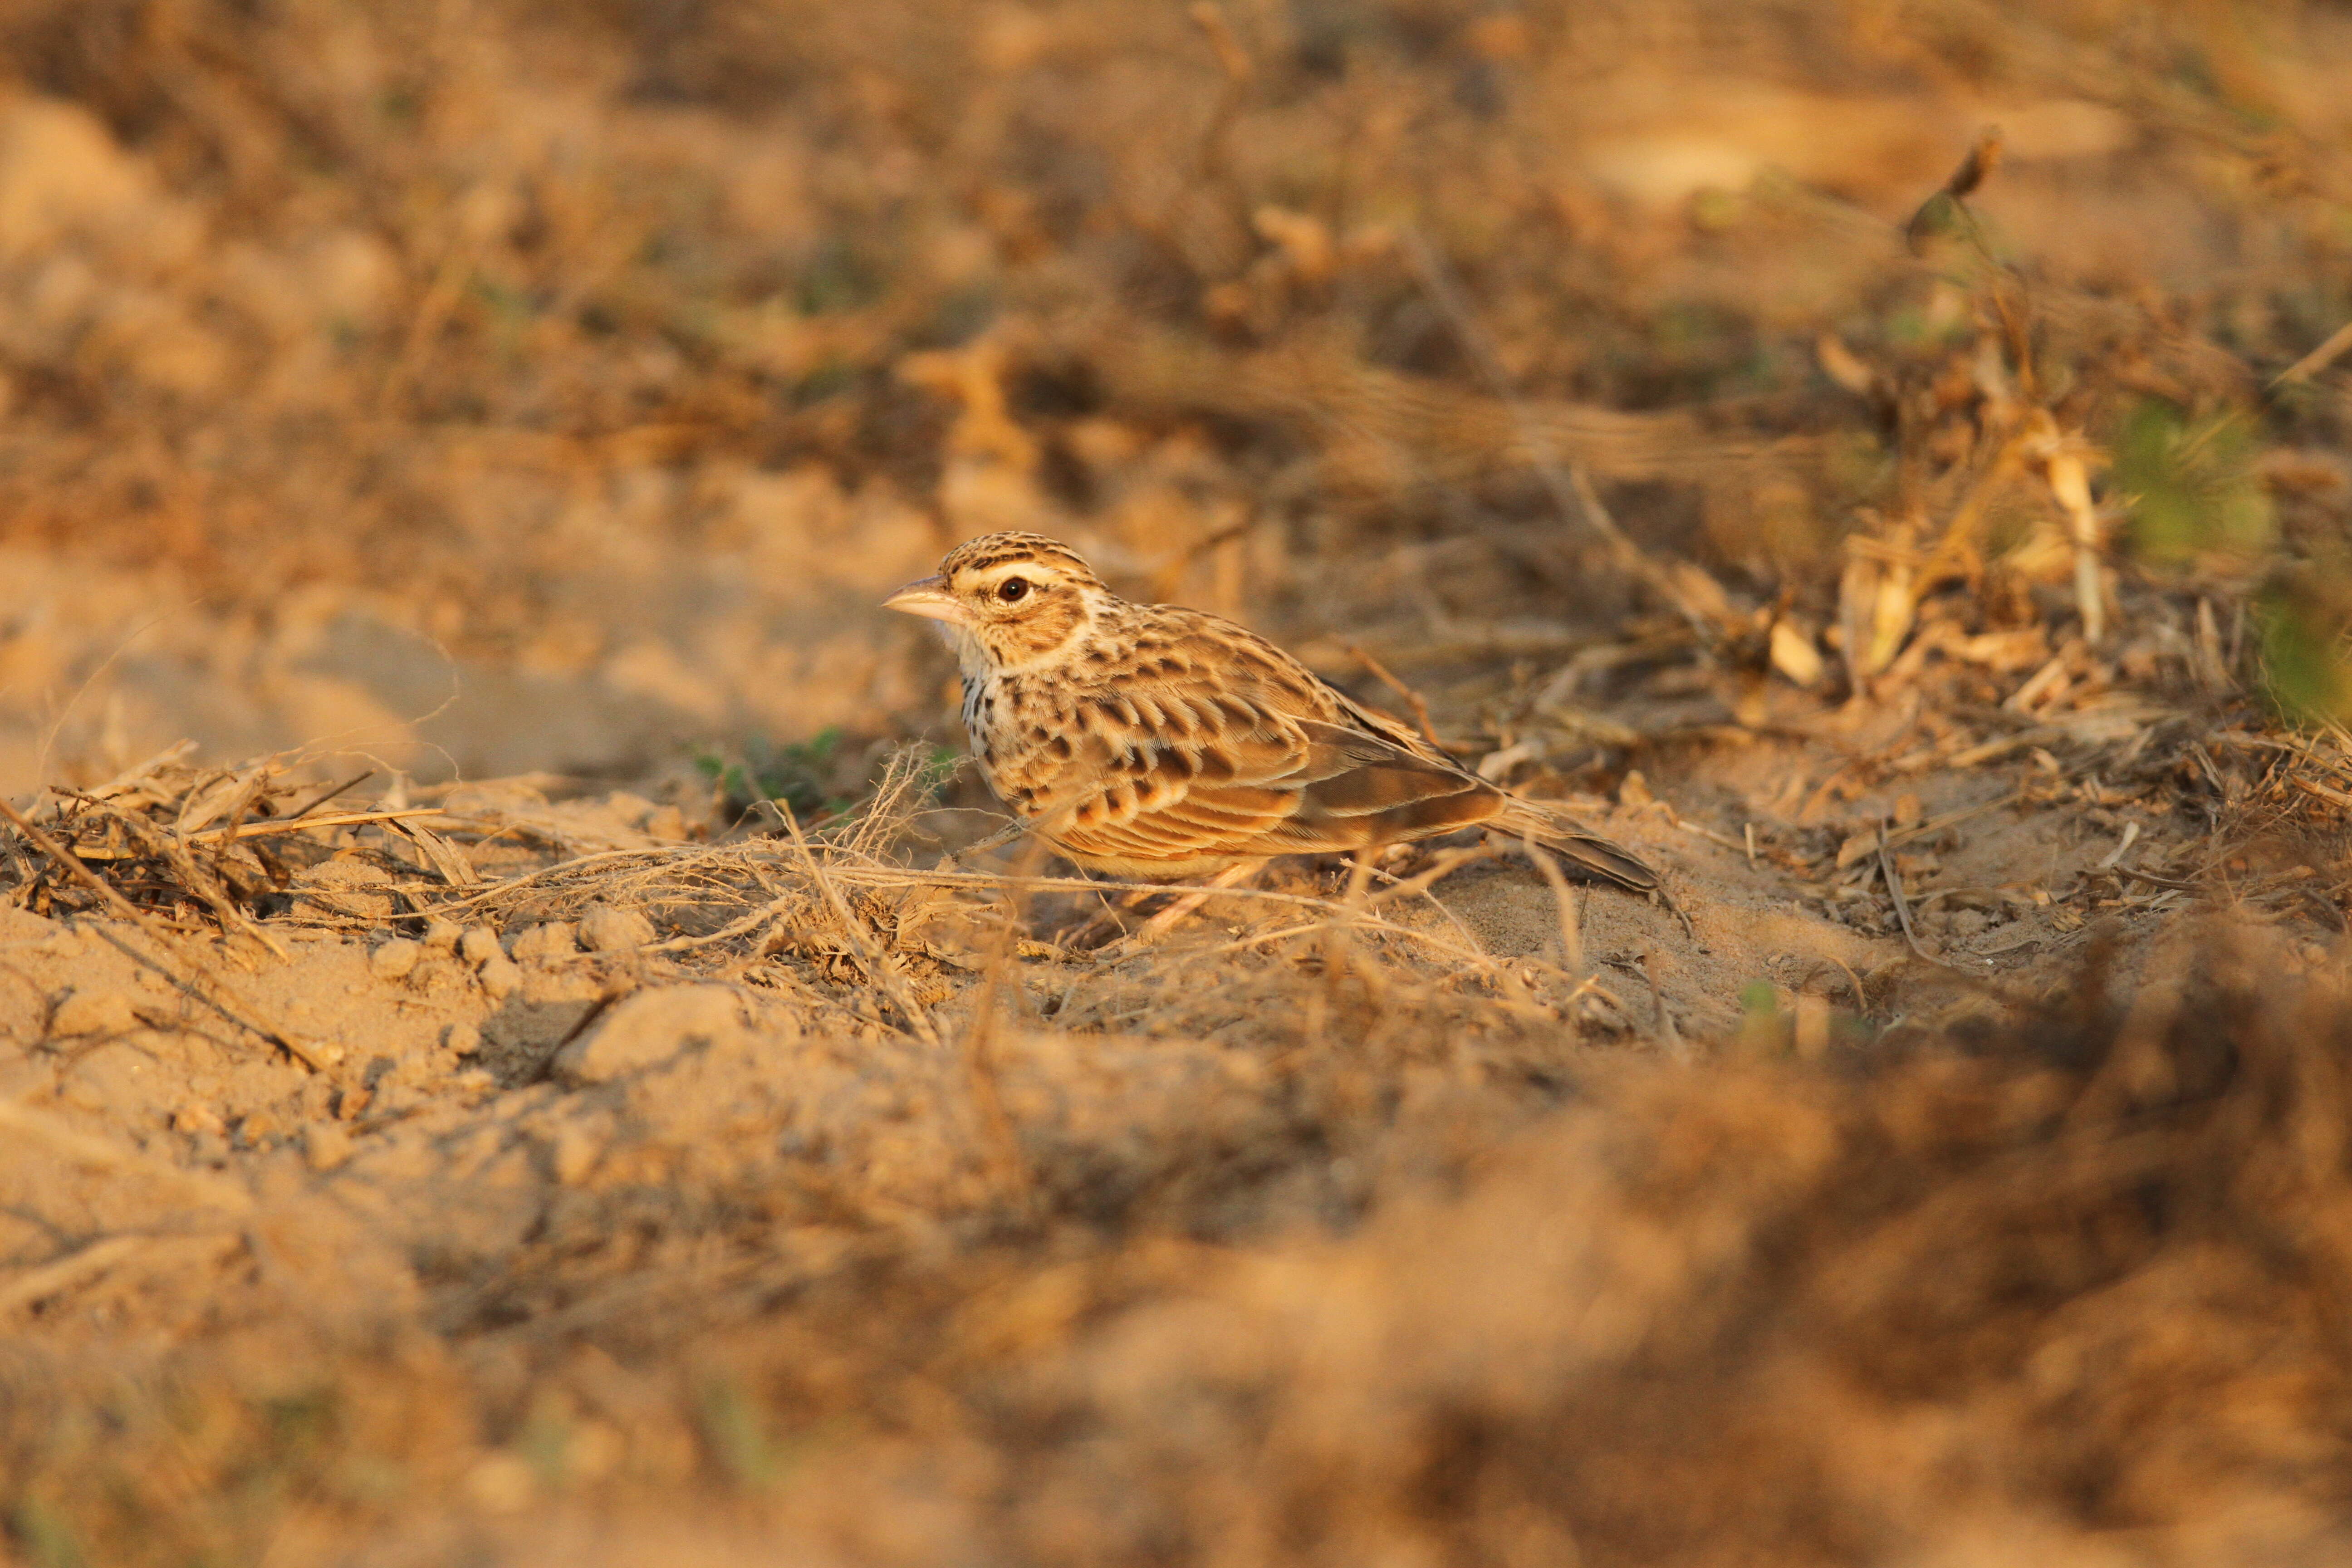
(1016, 599)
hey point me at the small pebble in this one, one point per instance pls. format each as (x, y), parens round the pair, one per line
(461, 1039)
(501, 977)
(574, 1155)
(93, 1012)
(480, 945)
(326, 1144)
(550, 940)
(607, 930)
(442, 936)
(396, 959)
(197, 1116)
(648, 1028)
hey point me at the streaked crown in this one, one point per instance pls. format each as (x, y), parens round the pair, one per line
(977, 559)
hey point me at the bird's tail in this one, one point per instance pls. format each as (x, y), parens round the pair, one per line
(1587, 854)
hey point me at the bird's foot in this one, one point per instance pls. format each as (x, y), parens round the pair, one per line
(1162, 923)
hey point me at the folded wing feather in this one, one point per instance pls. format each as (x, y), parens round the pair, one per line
(1256, 777)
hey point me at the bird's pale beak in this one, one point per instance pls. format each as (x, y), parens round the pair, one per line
(929, 597)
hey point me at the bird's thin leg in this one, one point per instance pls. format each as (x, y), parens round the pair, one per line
(1105, 917)
(1232, 876)
(1004, 834)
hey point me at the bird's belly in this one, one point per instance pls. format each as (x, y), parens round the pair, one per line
(1131, 869)
(1090, 794)
(1028, 752)
(1068, 803)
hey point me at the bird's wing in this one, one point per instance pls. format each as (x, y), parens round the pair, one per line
(1211, 743)
(1387, 726)
(1587, 854)
(1194, 775)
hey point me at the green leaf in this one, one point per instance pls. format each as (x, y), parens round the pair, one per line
(2191, 484)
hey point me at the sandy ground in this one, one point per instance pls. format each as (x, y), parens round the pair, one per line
(522, 1167)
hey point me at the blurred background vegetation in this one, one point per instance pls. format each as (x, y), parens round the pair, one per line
(602, 360)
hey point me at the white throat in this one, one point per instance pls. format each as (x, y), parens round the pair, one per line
(976, 661)
(970, 658)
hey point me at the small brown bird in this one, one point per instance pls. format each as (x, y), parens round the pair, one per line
(1160, 743)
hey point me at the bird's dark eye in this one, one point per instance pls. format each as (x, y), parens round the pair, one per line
(1013, 590)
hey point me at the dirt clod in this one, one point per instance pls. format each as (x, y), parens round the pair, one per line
(500, 976)
(340, 891)
(574, 1155)
(651, 1027)
(81, 1013)
(543, 941)
(326, 1145)
(604, 929)
(480, 945)
(396, 959)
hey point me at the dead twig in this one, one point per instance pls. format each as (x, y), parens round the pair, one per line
(743, 927)
(53, 1278)
(1901, 906)
(1668, 1035)
(1412, 698)
(1571, 922)
(442, 859)
(1950, 198)
(2317, 360)
(980, 1041)
(87, 1263)
(147, 928)
(2154, 881)
(169, 848)
(318, 801)
(1993, 751)
(294, 824)
(2318, 790)
(877, 959)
